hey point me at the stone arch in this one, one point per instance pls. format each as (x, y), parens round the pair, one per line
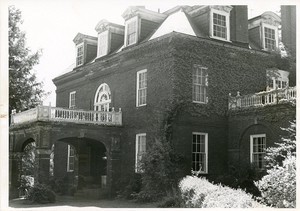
(91, 161)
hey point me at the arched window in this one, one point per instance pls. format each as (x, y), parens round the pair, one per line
(102, 98)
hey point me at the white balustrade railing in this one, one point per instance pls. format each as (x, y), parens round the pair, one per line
(262, 98)
(48, 113)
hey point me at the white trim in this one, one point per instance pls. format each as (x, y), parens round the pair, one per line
(206, 149)
(70, 94)
(68, 161)
(105, 33)
(136, 18)
(275, 28)
(251, 144)
(137, 148)
(78, 46)
(137, 87)
(211, 24)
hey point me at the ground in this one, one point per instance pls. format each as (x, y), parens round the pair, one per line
(69, 203)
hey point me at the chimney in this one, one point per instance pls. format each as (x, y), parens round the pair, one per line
(239, 25)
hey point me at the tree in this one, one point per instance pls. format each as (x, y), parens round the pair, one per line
(278, 187)
(24, 90)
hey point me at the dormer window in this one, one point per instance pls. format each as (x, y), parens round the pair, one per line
(270, 37)
(219, 23)
(263, 31)
(102, 44)
(277, 79)
(131, 31)
(79, 57)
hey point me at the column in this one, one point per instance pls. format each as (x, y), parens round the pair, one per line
(42, 166)
(15, 162)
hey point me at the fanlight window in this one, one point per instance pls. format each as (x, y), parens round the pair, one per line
(102, 98)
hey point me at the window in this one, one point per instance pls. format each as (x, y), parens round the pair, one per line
(270, 41)
(277, 79)
(140, 149)
(200, 152)
(131, 31)
(72, 100)
(257, 150)
(102, 44)
(79, 58)
(269, 37)
(141, 88)
(71, 158)
(102, 98)
(220, 25)
(200, 83)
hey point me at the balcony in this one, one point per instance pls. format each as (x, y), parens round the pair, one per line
(53, 114)
(262, 98)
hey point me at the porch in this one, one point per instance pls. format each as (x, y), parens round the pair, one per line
(54, 114)
(260, 99)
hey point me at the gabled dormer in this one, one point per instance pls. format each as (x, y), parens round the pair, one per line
(86, 48)
(140, 23)
(263, 31)
(110, 37)
(213, 21)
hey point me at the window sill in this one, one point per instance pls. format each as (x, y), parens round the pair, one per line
(221, 39)
(197, 102)
(138, 106)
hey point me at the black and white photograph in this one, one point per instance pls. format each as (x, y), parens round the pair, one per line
(148, 104)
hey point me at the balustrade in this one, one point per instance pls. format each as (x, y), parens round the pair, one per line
(48, 113)
(262, 98)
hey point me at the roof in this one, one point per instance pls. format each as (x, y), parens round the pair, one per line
(80, 37)
(182, 25)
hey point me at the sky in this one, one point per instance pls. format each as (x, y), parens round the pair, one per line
(51, 25)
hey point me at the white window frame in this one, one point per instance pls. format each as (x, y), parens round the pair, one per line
(102, 50)
(138, 88)
(70, 99)
(126, 30)
(82, 61)
(227, 16)
(137, 148)
(251, 145)
(206, 150)
(281, 76)
(69, 156)
(205, 86)
(275, 28)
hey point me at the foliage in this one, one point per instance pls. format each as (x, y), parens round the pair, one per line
(161, 170)
(26, 182)
(24, 90)
(278, 188)
(41, 194)
(172, 199)
(132, 186)
(199, 192)
(28, 159)
(287, 145)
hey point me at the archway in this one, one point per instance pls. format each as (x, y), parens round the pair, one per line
(81, 162)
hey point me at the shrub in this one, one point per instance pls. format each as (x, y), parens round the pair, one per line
(198, 192)
(172, 199)
(41, 194)
(26, 182)
(278, 188)
(129, 187)
(225, 197)
(161, 171)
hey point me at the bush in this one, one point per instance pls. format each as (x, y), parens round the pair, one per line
(198, 192)
(26, 182)
(173, 199)
(278, 188)
(129, 187)
(161, 171)
(41, 194)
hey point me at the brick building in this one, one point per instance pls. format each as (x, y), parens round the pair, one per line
(213, 77)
